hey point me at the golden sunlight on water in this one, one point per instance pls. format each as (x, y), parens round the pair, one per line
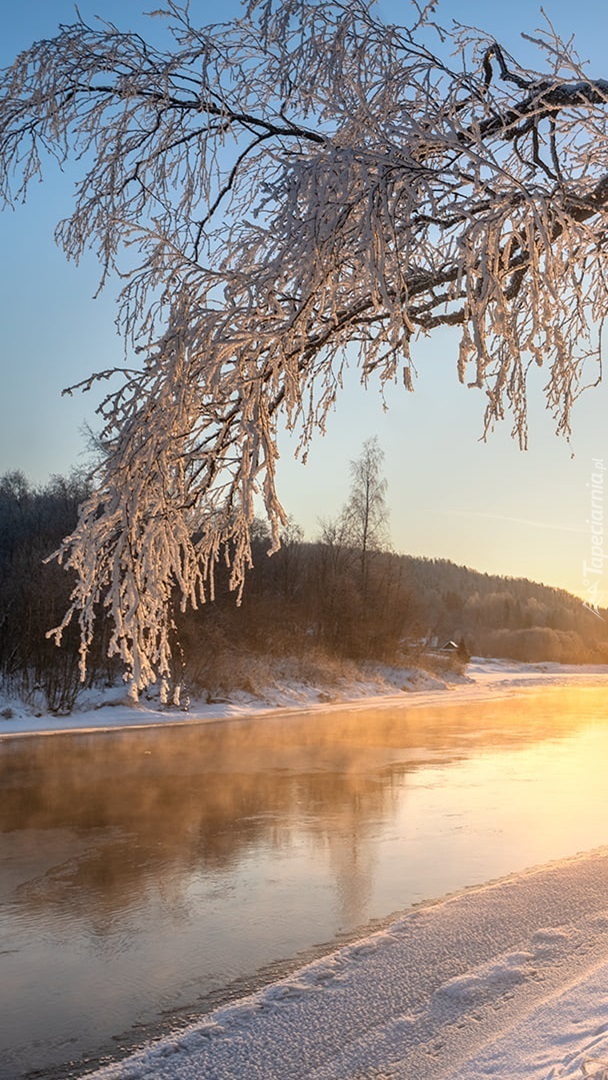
(147, 871)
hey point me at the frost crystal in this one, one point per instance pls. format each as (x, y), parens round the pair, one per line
(282, 194)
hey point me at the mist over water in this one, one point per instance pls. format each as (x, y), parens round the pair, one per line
(145, 874)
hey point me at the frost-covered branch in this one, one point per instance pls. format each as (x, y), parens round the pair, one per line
(302, 188)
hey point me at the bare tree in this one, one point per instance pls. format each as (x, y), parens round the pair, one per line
(274, 190)
(365, 515)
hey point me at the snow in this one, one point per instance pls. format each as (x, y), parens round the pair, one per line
(333, 210)
(507, 981)
(107, 709)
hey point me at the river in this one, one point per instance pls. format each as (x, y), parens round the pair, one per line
(147, 875)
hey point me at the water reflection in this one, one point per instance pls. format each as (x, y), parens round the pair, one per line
(142, 870)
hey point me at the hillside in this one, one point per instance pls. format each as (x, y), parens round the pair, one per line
(325, 606)
(505, 616)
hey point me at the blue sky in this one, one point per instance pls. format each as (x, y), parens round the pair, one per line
(489, 506)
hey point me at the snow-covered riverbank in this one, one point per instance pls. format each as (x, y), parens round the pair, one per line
(109, 709)
(508, 981)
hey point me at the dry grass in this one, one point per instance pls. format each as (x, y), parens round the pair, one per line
(226, 671)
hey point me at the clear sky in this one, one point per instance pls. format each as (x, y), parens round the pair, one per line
(489, 506)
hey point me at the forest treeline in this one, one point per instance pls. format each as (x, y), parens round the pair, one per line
(341, 597)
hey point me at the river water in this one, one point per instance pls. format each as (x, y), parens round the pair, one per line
(147, 875)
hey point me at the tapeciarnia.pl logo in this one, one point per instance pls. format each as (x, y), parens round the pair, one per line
(593, 570)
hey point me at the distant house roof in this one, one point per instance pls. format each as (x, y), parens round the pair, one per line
(449, 646)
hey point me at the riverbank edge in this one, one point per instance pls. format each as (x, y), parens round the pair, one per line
(484, 680)
(506, 1015)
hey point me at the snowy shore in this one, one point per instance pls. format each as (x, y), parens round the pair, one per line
(506, 981)
(105, 710)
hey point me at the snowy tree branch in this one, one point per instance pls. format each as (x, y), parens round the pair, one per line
(301, 189)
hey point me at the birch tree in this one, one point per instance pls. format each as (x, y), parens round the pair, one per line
(365, 515)
(302, 188)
